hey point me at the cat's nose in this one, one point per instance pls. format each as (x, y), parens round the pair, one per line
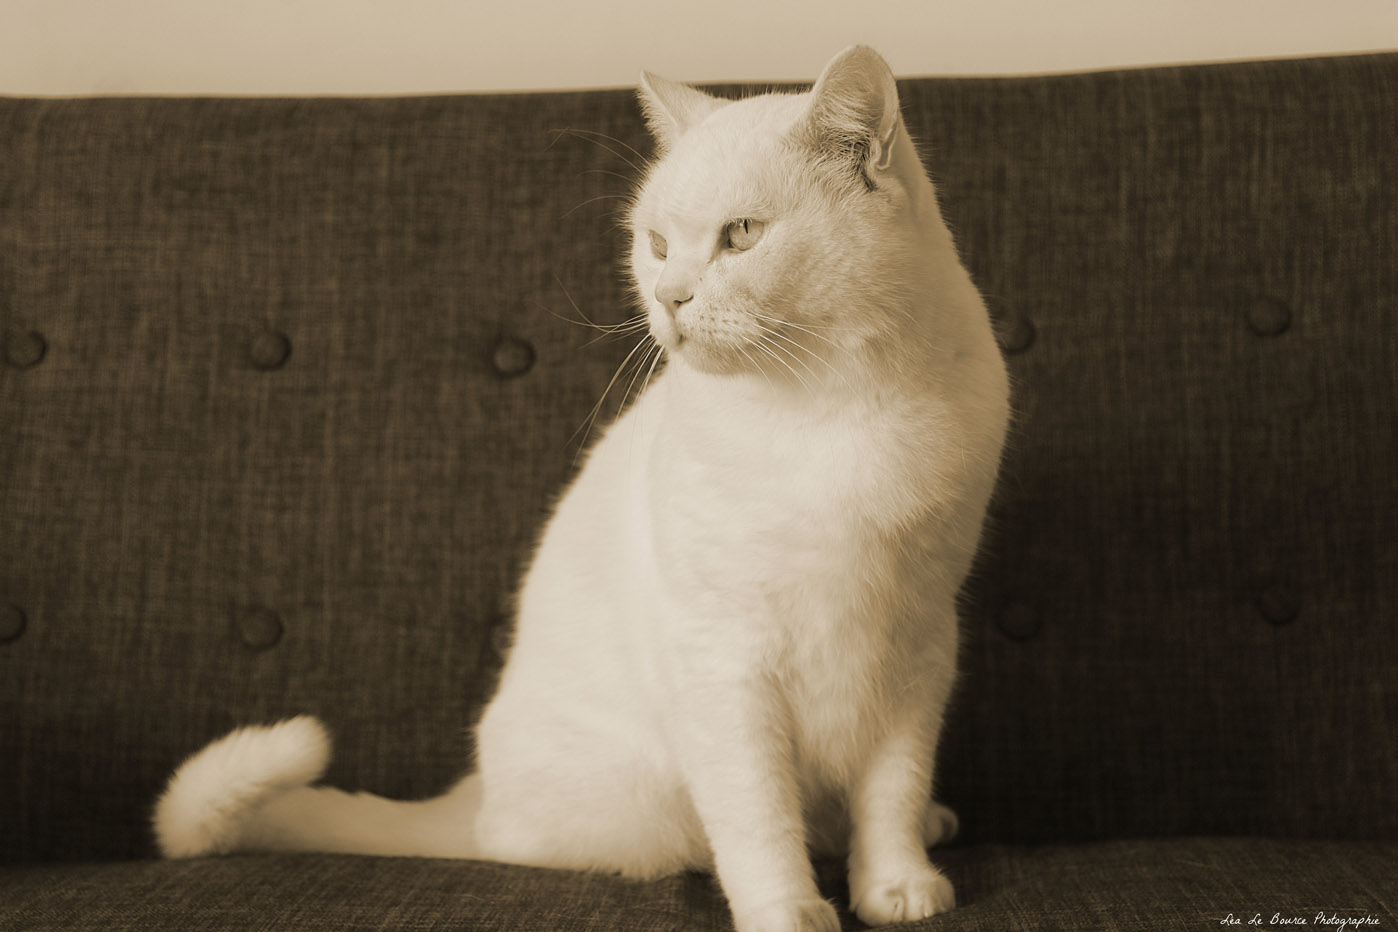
(672, 294)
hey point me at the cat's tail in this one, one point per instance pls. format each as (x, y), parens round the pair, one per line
(250, 791)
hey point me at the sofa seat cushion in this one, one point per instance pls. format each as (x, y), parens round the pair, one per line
(1188, 883)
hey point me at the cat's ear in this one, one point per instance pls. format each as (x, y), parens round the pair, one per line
(671, 108)
(853, 115)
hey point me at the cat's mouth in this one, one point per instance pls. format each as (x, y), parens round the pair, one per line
(717, 350)
(710, 354)
(680, 336)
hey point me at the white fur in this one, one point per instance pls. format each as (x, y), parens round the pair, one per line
(738, 635)
(203, 809)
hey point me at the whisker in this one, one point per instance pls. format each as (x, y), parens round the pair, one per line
(603, 171)
(584, 135)
(619, 330)
(801, 378)
(594, 200)
(635, 375)
(591, 418)
(769, 350)
(655, 352)
(611, 139)
(787, 323)
(794, 358)
(758, 366)
(806, 349)
(803, 329)
(809, 352)
(585, 321)
(659, 353)
(781, 336)
(605, 329)
(564, 288)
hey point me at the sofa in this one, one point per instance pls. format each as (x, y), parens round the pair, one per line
(288, 387)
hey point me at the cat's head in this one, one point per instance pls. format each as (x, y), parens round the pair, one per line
(778, 228)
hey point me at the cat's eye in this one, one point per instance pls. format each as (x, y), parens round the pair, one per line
(657, 245)
(743, 234)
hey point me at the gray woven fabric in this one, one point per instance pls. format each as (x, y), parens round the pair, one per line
(1188, 883)
(285, 395)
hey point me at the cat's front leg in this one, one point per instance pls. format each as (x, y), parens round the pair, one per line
(890, 877)
(737, 754)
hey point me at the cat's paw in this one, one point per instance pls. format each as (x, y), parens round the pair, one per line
(789, 916)
(918, 895)
(940, 826)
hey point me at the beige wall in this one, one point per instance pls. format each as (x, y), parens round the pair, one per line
(408, 46)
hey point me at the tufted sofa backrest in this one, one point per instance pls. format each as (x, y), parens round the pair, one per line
(287, 389)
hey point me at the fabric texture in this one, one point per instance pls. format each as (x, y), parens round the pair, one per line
(288, 386)
(1128, 886)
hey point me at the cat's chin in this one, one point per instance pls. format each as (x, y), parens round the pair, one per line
(711, 359)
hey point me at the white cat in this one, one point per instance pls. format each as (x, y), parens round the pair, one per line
(737, 639)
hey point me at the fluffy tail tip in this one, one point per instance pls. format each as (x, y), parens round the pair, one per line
(204, 806)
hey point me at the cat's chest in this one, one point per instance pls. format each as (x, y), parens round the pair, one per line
(804, 546)
(808, 495)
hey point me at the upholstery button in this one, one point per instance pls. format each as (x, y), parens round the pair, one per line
(12, 623)
(1279, 604)
(269, 350)
(259, 628)
(1018, 621)
(23, 350)
(1268, 317)
(512, 357)
(1015, 335)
